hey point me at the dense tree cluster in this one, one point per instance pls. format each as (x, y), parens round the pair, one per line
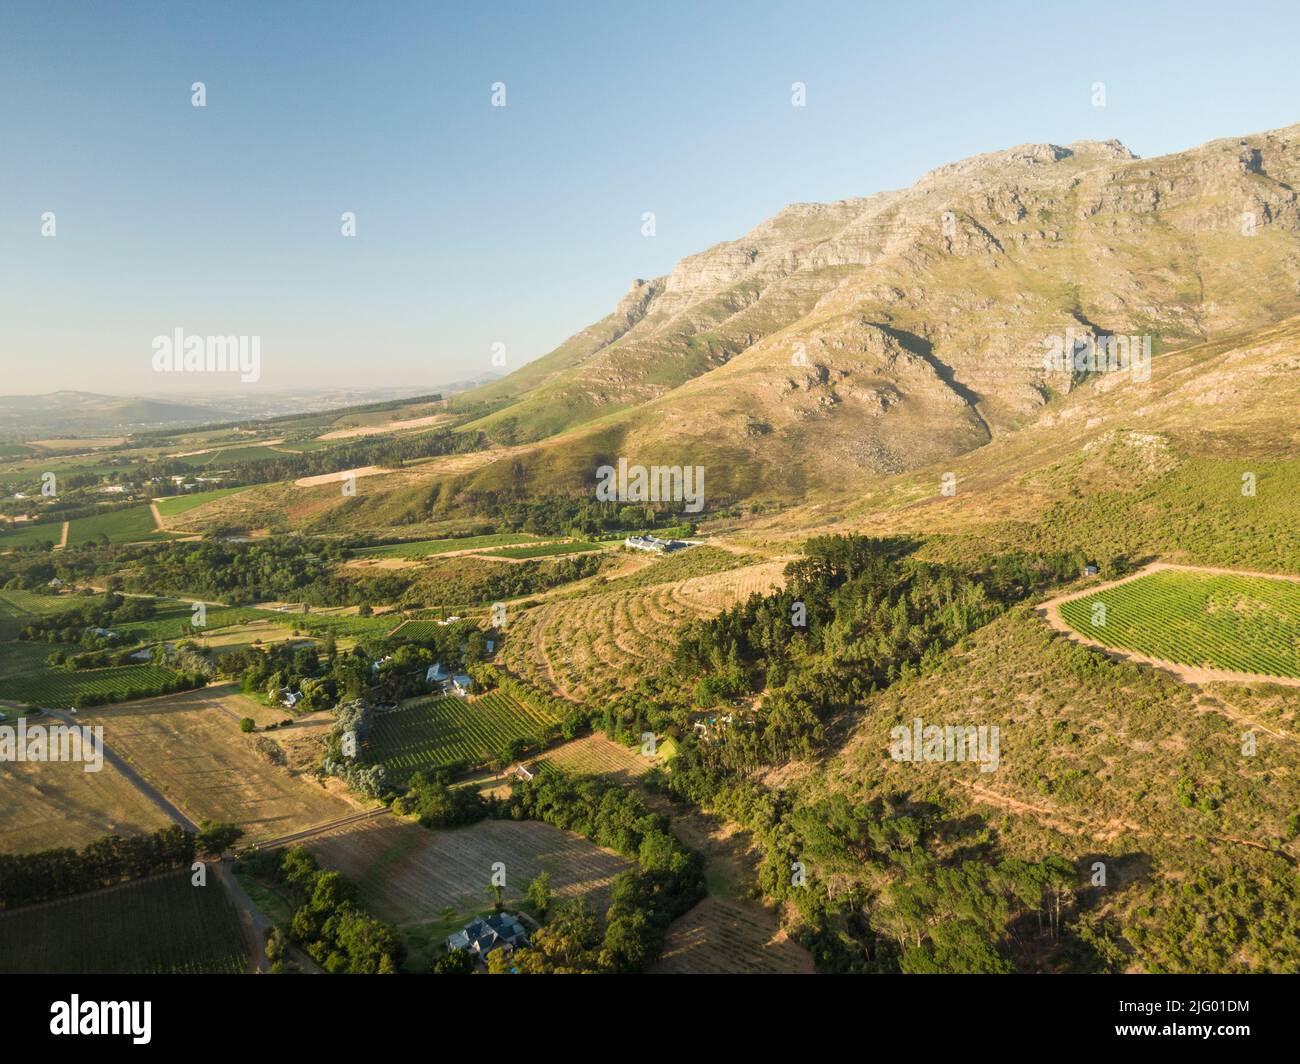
(327, 922)
(578, 515)
(896, 884)
(856, 615)
(74, 626)
(435, 804)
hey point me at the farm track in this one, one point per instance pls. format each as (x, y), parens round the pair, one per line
(1068, 823)
(146, 788)
(332, 825)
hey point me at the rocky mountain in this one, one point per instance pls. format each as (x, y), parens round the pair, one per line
(870, 336)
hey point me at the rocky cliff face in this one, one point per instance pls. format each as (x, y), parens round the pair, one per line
(876, 334)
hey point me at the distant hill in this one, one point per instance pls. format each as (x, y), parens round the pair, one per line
(75, 413)
(85, 413)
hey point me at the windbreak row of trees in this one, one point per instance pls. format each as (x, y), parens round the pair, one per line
(28, 878)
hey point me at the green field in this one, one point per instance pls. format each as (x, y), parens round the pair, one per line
(419, 629)
(424, 547)
(342, 625)
(19, 657)
(231, 456)
(31, 535)
(1239, 623)
(15, 603)
(443, 730)
(129, 525)
(179, 504)
(60, 688)
(18, 607)
(545, 550)
(156, 926)
(171, 617)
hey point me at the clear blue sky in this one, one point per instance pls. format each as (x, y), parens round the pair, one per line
(478, 224)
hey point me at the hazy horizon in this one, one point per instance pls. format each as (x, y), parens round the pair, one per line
(518, 225)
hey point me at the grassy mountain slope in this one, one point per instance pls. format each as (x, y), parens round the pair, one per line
(921, 315)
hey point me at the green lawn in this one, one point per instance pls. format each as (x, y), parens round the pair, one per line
(31, 535)
(1240, 623)
(274, 905)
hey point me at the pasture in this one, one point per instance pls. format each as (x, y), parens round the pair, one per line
(157, 926)
(132, 524)
(444, 730)
(1209, 620)
(49, 803)
(190, 747)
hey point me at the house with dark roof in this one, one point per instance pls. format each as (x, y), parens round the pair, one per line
(485, 934)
